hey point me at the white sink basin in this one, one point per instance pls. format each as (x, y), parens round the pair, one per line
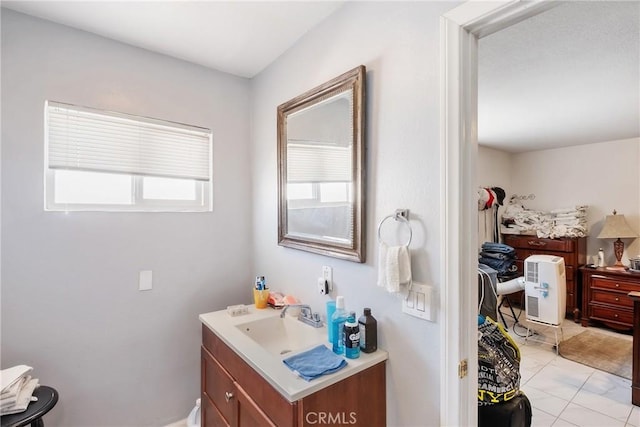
(281, 336)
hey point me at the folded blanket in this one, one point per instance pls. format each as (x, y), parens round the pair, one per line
(316, 362)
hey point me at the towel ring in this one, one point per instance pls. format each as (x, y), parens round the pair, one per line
(396, 217)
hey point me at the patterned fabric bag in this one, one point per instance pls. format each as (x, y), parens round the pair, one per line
(498, 364)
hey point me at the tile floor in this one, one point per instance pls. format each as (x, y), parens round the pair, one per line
(565, 393)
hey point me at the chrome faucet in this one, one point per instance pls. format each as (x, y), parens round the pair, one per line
(306, 315)
(302, 308)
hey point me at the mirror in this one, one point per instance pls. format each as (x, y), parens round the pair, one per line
(321, 169)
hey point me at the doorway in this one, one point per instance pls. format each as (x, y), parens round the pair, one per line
(460, 30)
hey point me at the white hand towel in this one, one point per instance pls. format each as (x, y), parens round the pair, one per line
(382, 264)
(404, 263)
(397, 268)
(393, 269)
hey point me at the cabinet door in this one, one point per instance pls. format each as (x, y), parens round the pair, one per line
(219, 387)
(249, 414)
(209, 415)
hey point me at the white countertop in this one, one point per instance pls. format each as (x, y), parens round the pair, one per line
(270, 366)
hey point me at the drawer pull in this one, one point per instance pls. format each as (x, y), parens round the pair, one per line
(617, 285)
(535, 243)
(228, 396)
(615, 315)
(617, 299)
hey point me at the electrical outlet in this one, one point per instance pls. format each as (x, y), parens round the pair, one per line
(327, 276)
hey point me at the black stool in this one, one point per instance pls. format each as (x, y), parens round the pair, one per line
(47, 399)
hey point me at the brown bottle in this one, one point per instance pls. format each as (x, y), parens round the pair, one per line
(368, 332)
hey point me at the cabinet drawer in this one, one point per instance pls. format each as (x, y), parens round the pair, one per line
(613, 283)
(532, 242)
(613, 298)
(216, 384)
(613, 314)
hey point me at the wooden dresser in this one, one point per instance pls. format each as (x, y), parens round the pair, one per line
(605, 299)
(572, 249)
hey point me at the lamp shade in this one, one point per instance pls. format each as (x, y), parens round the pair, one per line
(616, 227)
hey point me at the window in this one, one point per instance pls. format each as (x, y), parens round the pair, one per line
(97, 160)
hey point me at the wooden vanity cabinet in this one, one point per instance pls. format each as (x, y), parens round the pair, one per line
(234, 394)
(572, 249)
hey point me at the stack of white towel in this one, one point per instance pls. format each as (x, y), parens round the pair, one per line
(17, 389)
(566, 222)
(569, 222)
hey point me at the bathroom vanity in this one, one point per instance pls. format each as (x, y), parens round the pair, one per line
(245, 383)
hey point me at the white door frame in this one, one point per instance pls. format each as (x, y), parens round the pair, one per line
(460, 30)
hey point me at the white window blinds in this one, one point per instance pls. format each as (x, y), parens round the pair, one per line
(80, 138)
(318, 163)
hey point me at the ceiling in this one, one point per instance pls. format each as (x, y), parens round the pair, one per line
(569, 76)
(237, 37)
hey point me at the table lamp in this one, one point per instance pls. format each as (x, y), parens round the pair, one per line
(616, 227)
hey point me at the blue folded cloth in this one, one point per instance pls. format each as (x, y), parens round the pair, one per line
(313, 363)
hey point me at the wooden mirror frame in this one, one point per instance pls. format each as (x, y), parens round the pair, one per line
(354, 81)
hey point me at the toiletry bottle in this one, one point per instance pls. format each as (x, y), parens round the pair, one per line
(337, 324)
(600, 258)
(351, 337)
(368, 332)
(331, 308)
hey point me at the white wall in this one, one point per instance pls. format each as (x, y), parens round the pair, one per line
(605, 176)
(70, 304)
(398, 44)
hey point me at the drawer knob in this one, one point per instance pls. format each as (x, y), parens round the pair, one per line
(615, 315)
(617, 299)
(617, 285)
(228, 396)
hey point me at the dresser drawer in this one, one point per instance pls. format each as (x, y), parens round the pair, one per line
(613, 298)
(613, 283)
(613, 314)
(532, 242)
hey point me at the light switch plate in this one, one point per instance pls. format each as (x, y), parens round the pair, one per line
(146, 280)
(420, 302)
